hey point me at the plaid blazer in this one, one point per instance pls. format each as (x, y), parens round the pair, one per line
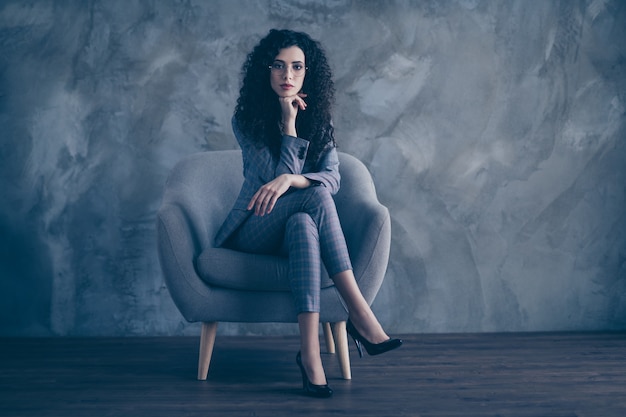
(261, 167)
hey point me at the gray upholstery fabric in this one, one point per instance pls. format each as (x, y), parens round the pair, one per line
(246, 271)
(214, 284)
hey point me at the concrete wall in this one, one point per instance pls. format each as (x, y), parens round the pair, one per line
(495, 131)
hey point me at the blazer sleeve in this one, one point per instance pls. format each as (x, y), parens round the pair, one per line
(327, 172)
(293, 153)
(261, 167)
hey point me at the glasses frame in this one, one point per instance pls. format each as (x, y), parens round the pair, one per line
(284, 70)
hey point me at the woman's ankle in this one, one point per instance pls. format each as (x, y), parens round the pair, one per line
(314, 368)
(369, 327)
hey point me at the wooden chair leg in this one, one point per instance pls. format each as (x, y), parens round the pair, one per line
(341, 345)
(207, 340)
(328, 336)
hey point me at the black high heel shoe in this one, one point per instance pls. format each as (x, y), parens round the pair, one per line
(312, 390)
(371, 348)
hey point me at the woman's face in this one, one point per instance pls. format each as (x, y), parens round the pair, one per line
(288, 71)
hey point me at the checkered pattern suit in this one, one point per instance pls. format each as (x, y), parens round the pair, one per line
(303, 224)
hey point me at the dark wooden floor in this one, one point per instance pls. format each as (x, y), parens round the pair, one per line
(552, 374)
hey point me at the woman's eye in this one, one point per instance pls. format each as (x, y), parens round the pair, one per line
(297, 67)
(278, 66)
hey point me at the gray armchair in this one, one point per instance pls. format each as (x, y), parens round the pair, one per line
(211, 284)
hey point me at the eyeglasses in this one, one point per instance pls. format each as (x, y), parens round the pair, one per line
(280, 68)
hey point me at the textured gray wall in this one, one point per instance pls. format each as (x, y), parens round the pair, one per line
(495, 131)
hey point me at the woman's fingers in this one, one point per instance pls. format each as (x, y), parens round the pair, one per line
(299, 102)
(264, 200)
(261, 201)
(293, 102)
(269, 203)
(265, 203)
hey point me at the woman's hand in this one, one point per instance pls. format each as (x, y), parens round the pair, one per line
(264, 200)
(290, 106)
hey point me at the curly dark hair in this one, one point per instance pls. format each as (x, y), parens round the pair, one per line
(258, 111)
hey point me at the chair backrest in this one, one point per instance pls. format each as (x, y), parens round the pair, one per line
(205, 186)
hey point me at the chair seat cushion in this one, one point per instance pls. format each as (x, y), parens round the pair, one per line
(245, 271)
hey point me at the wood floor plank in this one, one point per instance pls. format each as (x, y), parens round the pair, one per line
(542, 374)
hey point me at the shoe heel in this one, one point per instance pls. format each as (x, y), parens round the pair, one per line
(371, 348)
(359, 347)
(312, 390)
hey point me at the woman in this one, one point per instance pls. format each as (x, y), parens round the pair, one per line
(282, 122)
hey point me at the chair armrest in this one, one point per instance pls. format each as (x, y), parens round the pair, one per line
(177, 251)
(367, 228)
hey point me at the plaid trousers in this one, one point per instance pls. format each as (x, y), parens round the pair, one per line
(304, 226)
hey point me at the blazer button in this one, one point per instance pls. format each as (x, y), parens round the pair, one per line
(301, 152)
